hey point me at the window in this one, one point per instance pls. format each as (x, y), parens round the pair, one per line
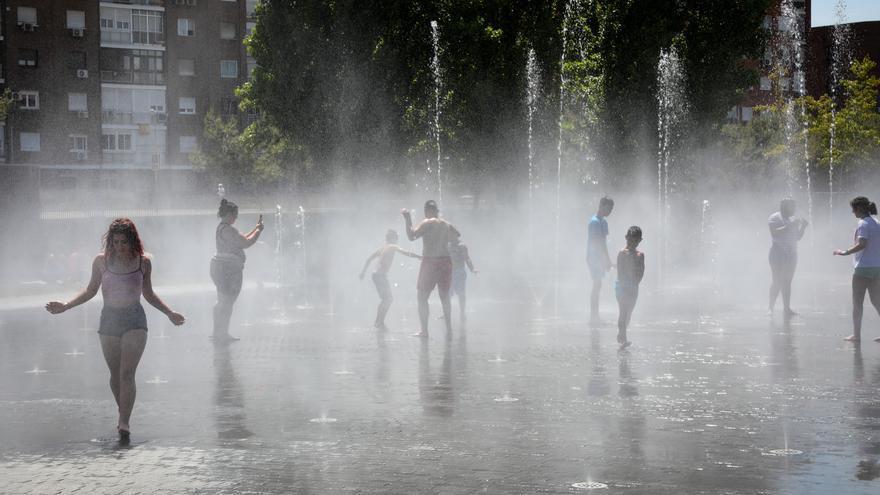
(76, 60)
(27, 57)
(77, 102)
(29, 100)
(27, 15)
(227, 31)
(116, 142)
(146, 27)
(229, 68)
(79, 143)
(228, 106)
(765, 83)
(747, 114)
(251, 65)
(115, 25)
(250, 6)
(187, 104)
(187, 144)
(186, 67)
(76, 19)
(29, 141)
(186, 27)
(249, 28)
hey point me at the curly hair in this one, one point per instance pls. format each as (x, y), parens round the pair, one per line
(123, 226)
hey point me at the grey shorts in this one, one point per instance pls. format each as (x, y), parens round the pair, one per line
(227, 276)
(117, 321)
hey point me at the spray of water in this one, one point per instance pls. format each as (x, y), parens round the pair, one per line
(670, 114)
(435, 70)
(840, 62)
(533, 86)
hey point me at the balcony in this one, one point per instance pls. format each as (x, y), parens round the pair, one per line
(154, 3)
(112, 76)
(133, 118)
(135, 159)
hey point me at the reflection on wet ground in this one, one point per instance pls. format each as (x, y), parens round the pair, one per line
(732, 403)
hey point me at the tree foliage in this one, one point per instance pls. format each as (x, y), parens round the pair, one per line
(345, 88)
(775, 136)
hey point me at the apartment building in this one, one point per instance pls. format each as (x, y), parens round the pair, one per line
(112, 89)
(781, 33)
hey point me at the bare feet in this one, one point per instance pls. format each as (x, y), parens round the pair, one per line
(852, 338)
(224, 339)
(124, 434)
(789, 312)
(421, 335)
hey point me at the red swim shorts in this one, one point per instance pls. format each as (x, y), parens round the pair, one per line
(435, 271)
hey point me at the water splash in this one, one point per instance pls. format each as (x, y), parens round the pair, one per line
(841, 56)
(533, 87)
(671, 109)
(435, 71)
(564, 35)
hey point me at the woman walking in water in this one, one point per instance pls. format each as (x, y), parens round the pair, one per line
(866, 275)
(227, 266)
(123, 272)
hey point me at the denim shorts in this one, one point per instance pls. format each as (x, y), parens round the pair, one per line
(117, 321)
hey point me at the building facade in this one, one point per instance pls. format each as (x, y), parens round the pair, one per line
(113, 90)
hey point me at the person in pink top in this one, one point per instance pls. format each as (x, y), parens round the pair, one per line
(123, 273)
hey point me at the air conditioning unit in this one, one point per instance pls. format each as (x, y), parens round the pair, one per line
(82, 73)
(191, 3)
(26, 26)
(80, 155)
(161, 118)
(190, 32)
(77, 32)
(83, 114)
(16, 96)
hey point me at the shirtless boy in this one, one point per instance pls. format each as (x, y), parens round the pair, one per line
(385, 254)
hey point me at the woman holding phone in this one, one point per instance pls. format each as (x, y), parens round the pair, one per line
(227, 266)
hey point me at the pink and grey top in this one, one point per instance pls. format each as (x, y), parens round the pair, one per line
(122, 289)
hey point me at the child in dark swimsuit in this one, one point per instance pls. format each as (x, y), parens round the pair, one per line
(630, 270)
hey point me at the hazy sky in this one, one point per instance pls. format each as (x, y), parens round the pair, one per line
(856, 11)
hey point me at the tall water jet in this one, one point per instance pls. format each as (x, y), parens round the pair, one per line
(670, 114)
(840, 62)
(533, 86)
(302, 266)
(565, 17)
(792, 84)
(435, 70)
(279, 254)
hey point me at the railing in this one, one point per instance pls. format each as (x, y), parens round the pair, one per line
(132, 37)
(112, 76)
(132, 118)
(154, 3)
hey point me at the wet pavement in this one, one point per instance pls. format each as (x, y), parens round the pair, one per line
(315, 402)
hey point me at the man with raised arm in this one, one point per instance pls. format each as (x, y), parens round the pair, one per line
(436, 267)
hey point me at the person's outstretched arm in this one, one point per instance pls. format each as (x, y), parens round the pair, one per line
(467, 260)
(410, 233)
(407, 253)
(254, 234)
(861, 244)
(367, 263)
(153, 299)
(89, 292)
